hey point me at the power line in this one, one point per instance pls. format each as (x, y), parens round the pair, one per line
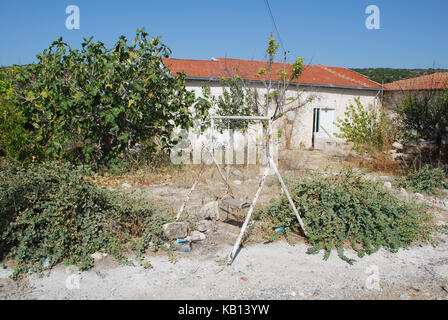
(274, 24)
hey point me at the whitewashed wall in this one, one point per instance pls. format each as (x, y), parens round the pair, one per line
(299, 131)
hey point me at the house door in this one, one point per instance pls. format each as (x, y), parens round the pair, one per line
(323, 127)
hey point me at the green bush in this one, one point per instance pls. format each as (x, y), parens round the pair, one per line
(51, 212)
(347, 209)
(424, 180)
(90, 105)
(16, 142)
(425, 114)
(367, 129)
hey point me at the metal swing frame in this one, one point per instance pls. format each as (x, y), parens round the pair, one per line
(270, 163)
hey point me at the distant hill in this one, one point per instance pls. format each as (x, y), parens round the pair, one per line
(390, 74)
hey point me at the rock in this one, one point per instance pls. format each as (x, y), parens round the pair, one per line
(204, 226)
(197, 236)
(444, 204)
(388, 185)
(397, 146)
(72, 269)
(209, 210)
(396, 156)
(97, 256)
(237, 182)
(176, 230)
(392, 151)
(404, 194)
(126, 185)
(419, 196)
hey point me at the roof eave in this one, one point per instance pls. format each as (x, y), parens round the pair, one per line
(295, 84)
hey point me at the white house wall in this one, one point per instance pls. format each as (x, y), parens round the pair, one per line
(299, 130)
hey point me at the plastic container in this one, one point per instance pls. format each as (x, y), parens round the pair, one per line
(46, 263)
(183, 249)
(281, 229)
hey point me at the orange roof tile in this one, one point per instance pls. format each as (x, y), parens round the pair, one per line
(247, 69)
(437, 80)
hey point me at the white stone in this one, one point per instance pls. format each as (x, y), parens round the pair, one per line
(72, 269)
(197, 236)
(126, 185)
(395, 156)
(204, 226)
(388, 185)
(404, 193)
(444, 204)
(97, 256)
(419, 196)
(209, 210)
(397, 146)
(176, 230)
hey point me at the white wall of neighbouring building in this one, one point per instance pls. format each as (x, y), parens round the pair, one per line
(298, 133)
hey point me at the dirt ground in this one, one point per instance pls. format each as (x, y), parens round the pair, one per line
(260, 271)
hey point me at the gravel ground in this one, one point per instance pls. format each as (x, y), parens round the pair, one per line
(261, 271)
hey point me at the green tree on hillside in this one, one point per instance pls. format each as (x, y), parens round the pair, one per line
(388, 75)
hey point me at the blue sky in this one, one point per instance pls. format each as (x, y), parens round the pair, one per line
(413, 33)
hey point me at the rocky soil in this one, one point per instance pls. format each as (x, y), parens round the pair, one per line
(260, 271)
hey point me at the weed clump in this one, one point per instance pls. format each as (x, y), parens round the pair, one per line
(425, 180)
(346, 209)
(52, 213)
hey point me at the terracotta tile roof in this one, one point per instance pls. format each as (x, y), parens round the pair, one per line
(247, 69)
(437, 80)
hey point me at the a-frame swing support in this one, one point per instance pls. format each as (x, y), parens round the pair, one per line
(269, 164)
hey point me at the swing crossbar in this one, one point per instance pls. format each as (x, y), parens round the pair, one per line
(255, 118)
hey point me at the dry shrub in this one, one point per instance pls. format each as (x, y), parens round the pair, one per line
(377, 162)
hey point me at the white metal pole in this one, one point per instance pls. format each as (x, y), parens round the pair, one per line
(270, 140)
(246, 222)
(212, 129)
(187, 197)
(274, 166)
(254, 201)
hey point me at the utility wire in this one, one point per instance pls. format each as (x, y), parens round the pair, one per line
(274, 24)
